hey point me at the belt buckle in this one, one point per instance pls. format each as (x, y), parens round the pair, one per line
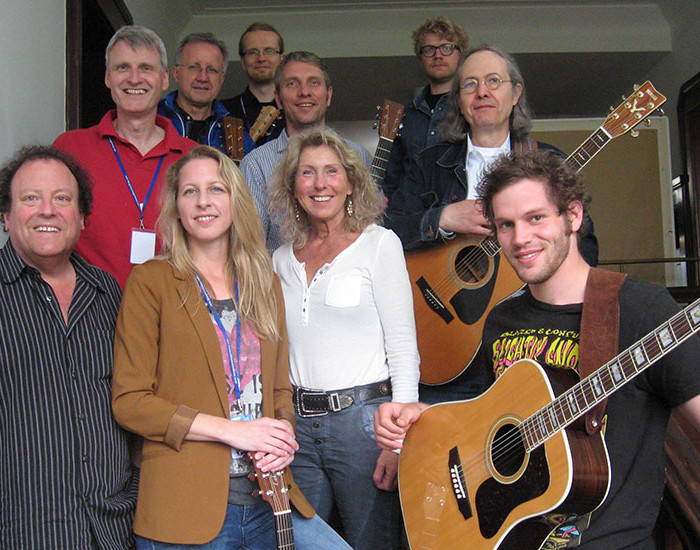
(339, 401)
(303, 412)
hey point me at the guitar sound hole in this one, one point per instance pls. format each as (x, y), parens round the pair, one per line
(471, 264)
(508, 451)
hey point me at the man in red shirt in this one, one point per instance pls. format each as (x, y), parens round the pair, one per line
(127, 154)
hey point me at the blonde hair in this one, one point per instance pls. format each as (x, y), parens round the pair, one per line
(295, 223)
(248, 261)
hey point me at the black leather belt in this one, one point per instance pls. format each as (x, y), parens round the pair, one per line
(318, 403)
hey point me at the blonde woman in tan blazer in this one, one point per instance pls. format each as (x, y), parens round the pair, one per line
(201, 370)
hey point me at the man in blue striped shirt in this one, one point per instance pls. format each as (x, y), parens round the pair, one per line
(66, 480)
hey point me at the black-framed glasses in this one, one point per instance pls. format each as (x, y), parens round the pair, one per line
(267, 52)
(445, 49)
(492, 82)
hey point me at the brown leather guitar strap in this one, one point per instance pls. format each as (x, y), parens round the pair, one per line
(600, 324)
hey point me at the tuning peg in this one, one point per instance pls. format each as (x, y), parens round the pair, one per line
(635, 87)
(378, 107)
(375, 125)
(660, 112)
(647, 122)
(634, 133)
(624, 98)
(612, 108)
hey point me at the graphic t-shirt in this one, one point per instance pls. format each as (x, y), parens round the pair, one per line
(636, 414)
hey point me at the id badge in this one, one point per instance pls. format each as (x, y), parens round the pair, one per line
(143, 245)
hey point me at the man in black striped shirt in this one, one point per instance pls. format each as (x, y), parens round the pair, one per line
(66, 480)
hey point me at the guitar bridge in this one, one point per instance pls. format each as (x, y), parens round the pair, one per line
(433, 301)
(459, 487)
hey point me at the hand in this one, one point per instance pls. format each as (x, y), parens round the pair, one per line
(270, 462)
(265, 435)
(464, 217)
(392, 421)
(385, 472)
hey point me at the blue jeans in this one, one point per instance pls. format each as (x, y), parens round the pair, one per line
(253, 528)
(334, 466)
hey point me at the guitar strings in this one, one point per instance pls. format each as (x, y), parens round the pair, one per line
(506, 446)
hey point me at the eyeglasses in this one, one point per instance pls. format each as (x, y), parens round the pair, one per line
(445, 49)
(267, 52)
(492, 82)
(211, 71)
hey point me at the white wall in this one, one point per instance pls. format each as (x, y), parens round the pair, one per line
(33, 65)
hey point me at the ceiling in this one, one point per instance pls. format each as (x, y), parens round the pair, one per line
(558, 84)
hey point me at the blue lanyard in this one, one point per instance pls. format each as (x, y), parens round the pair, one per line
(140, 206)
(234, 366)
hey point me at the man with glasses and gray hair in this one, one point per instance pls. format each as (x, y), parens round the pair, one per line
(199, 71)
(439, 45)
(126, 154)
(261, 48)
(487, 116)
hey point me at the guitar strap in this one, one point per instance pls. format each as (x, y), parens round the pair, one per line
(524, 145)
(600, 324)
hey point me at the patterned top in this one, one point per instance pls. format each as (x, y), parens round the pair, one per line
(66, 480)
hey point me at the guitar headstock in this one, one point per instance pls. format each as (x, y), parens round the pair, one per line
(267, 116)
(234, 134)
(644, 101)
(390, 120)
(274, 490)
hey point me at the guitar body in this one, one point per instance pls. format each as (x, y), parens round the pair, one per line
(454, 286)
(467, 480)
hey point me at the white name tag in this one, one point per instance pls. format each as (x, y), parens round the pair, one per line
(143, 245)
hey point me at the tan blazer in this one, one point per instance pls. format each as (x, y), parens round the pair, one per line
(167, 368)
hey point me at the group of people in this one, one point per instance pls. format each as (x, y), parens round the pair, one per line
(266, 322)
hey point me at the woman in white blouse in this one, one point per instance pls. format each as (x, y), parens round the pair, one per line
(352, 340)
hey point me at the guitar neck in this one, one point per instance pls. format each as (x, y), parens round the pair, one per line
(588, 149)
(381, 160)
(575, 402)
(284, 530)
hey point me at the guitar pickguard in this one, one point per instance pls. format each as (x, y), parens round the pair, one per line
(471, 303)
(495, 500)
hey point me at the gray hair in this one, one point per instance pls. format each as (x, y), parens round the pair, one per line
(454, 127)
(137, 36)
(303, 57)
(203, 38)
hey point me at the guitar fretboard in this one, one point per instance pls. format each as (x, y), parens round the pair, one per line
(582, 397)
(588, 149)
(381, 160)
(285, 531)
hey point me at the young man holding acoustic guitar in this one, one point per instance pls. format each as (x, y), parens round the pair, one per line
(535, 203)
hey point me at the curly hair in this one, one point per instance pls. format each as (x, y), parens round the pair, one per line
(42, 152)
(444, 28)
(248, 261)
(295, 222)
(454, 127)
(564, 185)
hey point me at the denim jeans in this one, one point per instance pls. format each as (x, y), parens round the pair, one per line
(334, 466)
(253, 528)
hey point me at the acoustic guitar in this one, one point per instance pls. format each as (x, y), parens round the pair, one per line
(477, 474)
(268, 115)
(275, 491)
(456, 284)
(389, 124)
(234, 135)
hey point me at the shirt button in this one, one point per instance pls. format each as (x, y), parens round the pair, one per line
(432, 133)
(85, 458)
(48, 298)
(316, 424)
(453, 198)
(81, 416)
(317, 441)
